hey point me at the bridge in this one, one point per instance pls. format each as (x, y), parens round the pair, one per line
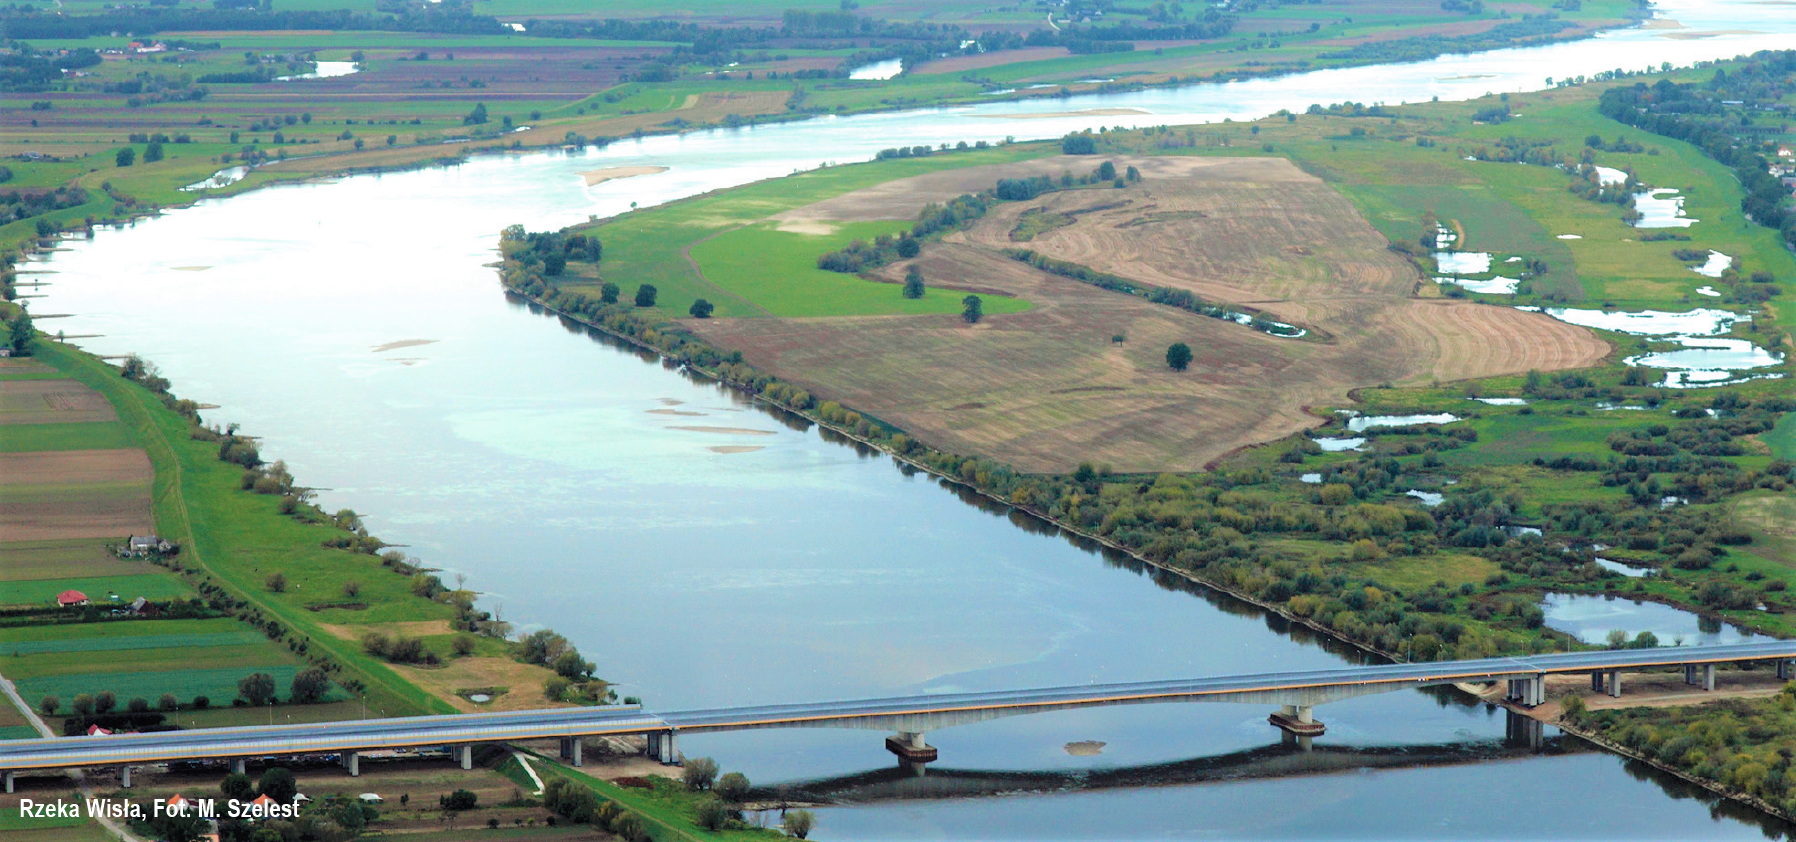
(908, 717)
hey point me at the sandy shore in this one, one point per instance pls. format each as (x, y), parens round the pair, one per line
(403, 343)
(1089, 112)
(732, 430)
(601, 176)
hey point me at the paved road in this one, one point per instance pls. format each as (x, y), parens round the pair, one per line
(865, 713)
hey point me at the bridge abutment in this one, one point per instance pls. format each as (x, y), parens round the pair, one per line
(1298, 720)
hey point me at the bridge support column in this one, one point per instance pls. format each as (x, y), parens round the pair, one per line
(570, 750)
(124, 777)
(652, 745)
(1783, 670)
(1708, 677)
(353, 762)
(465, 754)
(1615, 683)
(9, 782)
(910, 746)
(1689, 674)
(1596, 682)
(670, 749)
(1297, 719)
(239, 766)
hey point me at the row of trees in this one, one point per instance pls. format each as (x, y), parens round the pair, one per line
(309, 686)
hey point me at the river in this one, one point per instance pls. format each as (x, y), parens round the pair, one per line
(356, 326)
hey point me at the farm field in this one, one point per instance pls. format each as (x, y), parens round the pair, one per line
(1046, 389)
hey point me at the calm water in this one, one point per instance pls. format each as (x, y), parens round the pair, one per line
(548, 465)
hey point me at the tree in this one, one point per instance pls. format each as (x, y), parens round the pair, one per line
(20, 333)
(608, 293)
(49, 705)
(138, 704)
(84, 704)
(186, 826)
(257, 688)
(201, 702)
(152, 153)
(713, 814)
(462, 645)
(733, 786)
(544, 646)
(277, 583)
(571, 666)
(645, 295)
(460, 799)
(1107, 171)
(554, 264)
(475, 117)
(1178, 355)
(972, 309)
(913, 283)
(701, 309)
(309, 686)
(168, 702)
(125, 157)
(800, 822)
(1078, 143)
(699, 773)
(909, 248)
(105, 701)
(237, 786)
(278, 783)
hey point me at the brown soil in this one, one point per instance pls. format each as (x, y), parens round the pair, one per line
(100, 517)
(51, 402)
(523, 682)
(1045, 389)
(1651, 690)
(62, 467)
(414, 628)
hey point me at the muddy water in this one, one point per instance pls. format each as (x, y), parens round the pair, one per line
(746, 558)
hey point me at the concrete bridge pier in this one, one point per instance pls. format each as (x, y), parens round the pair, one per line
(1614, 681)
(9, 782)
(1531, 692)
(570, 750)
(1298, 720)
(910, 746)
(124, 777)
(1689, 673)
(239, 766)
(663, 747)
(465, 754)
(1783, 670)
(1708, 677)
(353, 762)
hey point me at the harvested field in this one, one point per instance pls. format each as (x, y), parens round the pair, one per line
(14, 365)
(72, 467)
(27, 560)
(91, 516)
(1046, 389)
(51, 402)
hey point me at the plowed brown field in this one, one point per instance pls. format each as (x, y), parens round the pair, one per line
(51, 402)
(1047, 389)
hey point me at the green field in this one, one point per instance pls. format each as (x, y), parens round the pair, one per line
(94, 435)
(218, 685)
(118, 636)
(155, 586)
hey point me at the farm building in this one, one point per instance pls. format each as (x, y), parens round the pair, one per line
(68, 598)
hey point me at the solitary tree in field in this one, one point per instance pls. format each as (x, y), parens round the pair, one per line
(1106, 171)
(168, 702)
(608, 293)
(277, 582)
(49, 705)
(138, 704)
(645, 295)
(257, 688)
(699, 773)
(125, 157)
(1178, 356)
(310, 685)
(913, 283)
(972, 309)
(701, 309)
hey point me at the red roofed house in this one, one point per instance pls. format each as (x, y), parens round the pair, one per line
(97, 731)
(68, 598)
(264, 801)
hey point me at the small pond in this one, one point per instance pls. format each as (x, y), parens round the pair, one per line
(1590, 618)
(1365, 422)
(878, 70)
(1462, 262)
(1503, 401)
(1714, 266)
(1338, 445)
(1661, 208)
(323, 70)
(1428, 498)
(1497, 285)
(1624, 569)
(219, 179)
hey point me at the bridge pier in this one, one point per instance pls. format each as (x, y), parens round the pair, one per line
(1783, 670)
(910, 746)
(570, 750)
(9, 782)
(1615, 683)
(1532, 692)
(1689, 673)
(465, 754)
(1708, 677)
(663, 747)
(124, 777)
(353, 762)
(239, 766)
(1298, 720)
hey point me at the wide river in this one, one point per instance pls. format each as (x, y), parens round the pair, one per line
(705, 552)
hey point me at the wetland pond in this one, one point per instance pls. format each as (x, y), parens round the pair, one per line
(740, 556)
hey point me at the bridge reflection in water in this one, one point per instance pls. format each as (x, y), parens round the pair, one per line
(1293, 756)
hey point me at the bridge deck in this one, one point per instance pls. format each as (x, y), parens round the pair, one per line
(563, 722)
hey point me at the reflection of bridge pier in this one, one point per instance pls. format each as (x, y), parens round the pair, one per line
(909, 745)
(1523, 731)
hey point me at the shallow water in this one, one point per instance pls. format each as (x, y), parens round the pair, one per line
(1339, 445)
(1697, 322)
(1627, 570)
(1428, 498)
(1462, 262)
(1503, 401)
(878, 70)
(1714, 266)
(1661, 208)
(1498, 285)
(325, 70)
